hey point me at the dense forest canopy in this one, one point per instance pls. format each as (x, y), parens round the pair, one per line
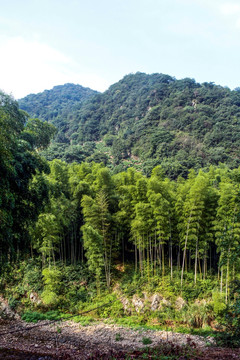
(146, 120)
(82, 212)
(172, 219)
(22, 197)
(58, 106)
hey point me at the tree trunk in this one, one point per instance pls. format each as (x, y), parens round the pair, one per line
(196, 258)
(185, 248)
(221, 283)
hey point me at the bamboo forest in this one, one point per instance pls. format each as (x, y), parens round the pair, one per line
(162, 246)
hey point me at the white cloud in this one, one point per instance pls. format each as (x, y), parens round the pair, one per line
(232, 11)
(230, 8)
(32, 66)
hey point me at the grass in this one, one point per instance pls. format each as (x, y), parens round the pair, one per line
(137, 323)
(133, 322)
(146, 341)
(34, 317)
(118, 337)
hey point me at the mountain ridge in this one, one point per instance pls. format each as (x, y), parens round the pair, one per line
(157, 119)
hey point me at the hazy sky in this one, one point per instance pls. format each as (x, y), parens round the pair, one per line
(95, 43)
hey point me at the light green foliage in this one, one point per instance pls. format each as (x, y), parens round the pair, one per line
(52, 285)
(49, 297)
(219, 305)
(46, 236)
(198, 315)
(93, 244)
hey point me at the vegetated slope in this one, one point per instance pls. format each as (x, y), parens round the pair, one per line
(57, 106)
(155, 119)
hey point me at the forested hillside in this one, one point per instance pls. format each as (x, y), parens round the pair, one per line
(146, 120)
(58, 106)
(76, 234)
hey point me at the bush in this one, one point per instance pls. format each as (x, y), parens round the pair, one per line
(231, 323)
(49, 297)
(219, 305)
(52, 286)
(146, 341)
(197, 315)
(13, 302)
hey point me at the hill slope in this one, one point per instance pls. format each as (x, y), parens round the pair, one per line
(152, 119)
(57, 105)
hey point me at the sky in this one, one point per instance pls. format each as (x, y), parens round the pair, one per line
(95, 43)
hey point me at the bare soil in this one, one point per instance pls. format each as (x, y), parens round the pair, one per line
(69, 340)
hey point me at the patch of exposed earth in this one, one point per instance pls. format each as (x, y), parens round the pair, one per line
(69, 340)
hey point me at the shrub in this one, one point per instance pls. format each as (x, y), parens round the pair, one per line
(118, 337)
(197, 315)
(13, 302)
(231, 323)
(49, 297)
(146, 341)
(219, 305)
(52, 286)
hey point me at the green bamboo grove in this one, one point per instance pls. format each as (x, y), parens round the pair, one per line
(83, 213)
(160, 226)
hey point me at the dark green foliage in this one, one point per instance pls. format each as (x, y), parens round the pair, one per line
(34, 316)
(21, 196)
(59, 106)
(232, 323)
(230, 319)
(166, 237)
(146, 341)
(56, 104)
(151, 119)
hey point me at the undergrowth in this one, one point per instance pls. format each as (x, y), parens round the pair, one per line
(75, 294)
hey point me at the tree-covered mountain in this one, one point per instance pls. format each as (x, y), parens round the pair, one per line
(146, 120)
(57, 106)
(79, 235)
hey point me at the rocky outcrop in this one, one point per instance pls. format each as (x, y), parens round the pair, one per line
(156, 299)
(5, 311)
(154, 302)
(126, 305)
(34, 298)
(180, 303)
(146, 302)
(138, 303)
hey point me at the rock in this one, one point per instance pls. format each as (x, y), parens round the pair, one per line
(180, 303)
(6, 312)
(126, 305)
(34, 298)
(138, 303)
(200, 302)
(156, 298)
